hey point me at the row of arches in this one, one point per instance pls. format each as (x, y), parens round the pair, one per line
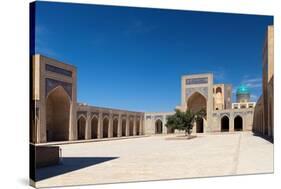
(81, 128)
(238, 123)
(58, 111)
(159, 127)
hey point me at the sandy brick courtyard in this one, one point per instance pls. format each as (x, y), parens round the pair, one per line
(159, 157)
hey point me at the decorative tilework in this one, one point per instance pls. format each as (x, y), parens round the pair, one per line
(193, 81)
(201, 90)
(58, 70)
(51, 84)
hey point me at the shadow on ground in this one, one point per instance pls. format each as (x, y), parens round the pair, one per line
(181, 137)
(69, 164)
(269, 139)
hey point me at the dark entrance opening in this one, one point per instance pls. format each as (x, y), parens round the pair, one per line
(199, 125)
(224, 124)
(105, 128)
(123, 127)
(158, 127)
(81, 123)
(131, 127)
(57, 115)
(115, 127)
(138, 128)
(94, 127)
(238, 123)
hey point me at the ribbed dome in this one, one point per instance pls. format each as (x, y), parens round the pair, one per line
(242, 89)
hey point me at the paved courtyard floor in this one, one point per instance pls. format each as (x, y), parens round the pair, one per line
(159, 157)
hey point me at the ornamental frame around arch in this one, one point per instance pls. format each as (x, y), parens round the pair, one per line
(55, 88)
(197, 91)
(81, 115)
(188, 97)
(158, 117)
(238, 114)
(94, 114)
(225, 114)
(57, 83)
(104, 117)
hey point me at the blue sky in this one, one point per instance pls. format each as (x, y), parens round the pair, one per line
(133, 58)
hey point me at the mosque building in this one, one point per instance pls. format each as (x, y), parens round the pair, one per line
(57, 116)
(199, 92)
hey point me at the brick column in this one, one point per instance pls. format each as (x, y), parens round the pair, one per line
(231, 123)
(142, 125)
(127, 125)
(119, 130)
(165, 130)
(88, 126)
(135, 125)
(110, 126)
(100, 125)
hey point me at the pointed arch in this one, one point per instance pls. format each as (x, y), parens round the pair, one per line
(138, 127)
(123, 133)
(115, 127)
(196, 102)
(238, 123)
(131, 127)
(81, 127)
(105, 127)
(94, 127)
(57, 115)
(158, 126)
(224, 124)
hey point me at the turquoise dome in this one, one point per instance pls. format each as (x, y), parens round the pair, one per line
(243, 89)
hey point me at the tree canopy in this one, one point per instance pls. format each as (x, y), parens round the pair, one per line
(184, 120)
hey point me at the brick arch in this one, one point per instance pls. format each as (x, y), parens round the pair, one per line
(196, 102)
(57, 114)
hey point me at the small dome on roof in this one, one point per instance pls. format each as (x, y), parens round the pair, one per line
(243, 89)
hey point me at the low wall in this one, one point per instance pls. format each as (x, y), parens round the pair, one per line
(47, 155)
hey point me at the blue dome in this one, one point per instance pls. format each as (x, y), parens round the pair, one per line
(243, 89)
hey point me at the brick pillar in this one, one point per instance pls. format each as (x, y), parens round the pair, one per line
(135, 125)
(127, 125)
(119, 131)
(100, 125)
(110, 126)
(88, 126)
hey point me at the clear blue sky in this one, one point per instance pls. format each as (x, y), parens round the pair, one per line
(133, 58)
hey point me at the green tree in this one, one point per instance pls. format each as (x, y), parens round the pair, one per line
(184, 120)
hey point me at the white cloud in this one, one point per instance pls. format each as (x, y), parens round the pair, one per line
(253, 82)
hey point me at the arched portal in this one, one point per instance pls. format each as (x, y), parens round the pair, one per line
(158, 127)
(105, 125)
(131, 128)
(138, 127)
(81, 128)
(94, 127)
(200, 125)
(238, 123)
(196, 102)
(224, 124)
(218, 90)
(57, 115)
(115, 127)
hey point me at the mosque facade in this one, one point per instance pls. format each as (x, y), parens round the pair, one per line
(57, 116)
(199, 92)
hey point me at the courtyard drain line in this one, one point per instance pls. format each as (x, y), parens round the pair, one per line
(236, 157)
